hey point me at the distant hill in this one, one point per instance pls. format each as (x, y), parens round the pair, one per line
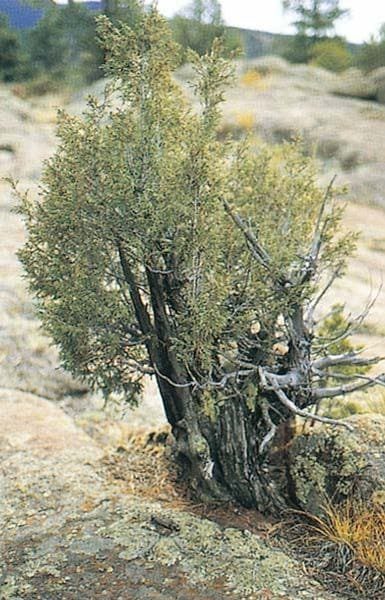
(23, 16)
(255, 43)
(259, 43)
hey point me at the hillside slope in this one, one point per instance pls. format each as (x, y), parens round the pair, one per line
(73, 524)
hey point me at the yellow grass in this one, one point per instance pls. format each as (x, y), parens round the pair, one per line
(245, 120)
(253, 79)
(359, 527)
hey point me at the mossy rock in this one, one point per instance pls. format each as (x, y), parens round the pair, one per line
(378, 75)
(335, 464)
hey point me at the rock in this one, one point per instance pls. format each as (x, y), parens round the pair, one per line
(355, 84)
(332, 463)
(381, 93)
(368, 87)
(378, 75)
(71, 530)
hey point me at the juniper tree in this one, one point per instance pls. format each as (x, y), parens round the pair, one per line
(156, 249)
(315, 19)
(123, 10)
(63, 44)
(12, 58)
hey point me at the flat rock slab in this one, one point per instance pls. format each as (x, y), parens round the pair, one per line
(35, 425)
(68, 531)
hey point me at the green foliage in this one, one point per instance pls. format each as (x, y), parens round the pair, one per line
(63, 44)
(40, 85)
(331, 54)
(315, 20)
(372, 54)
(297, 49)
(128, 11)
(130, 249)
(63, 47)
(199, 24)
(204, 11)
(333, 327)
(10, 52)
(333, 333)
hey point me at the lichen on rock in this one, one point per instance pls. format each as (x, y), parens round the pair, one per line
(334, 464)
(200, 548)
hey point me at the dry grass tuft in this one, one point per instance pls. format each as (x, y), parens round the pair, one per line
(358, 527)
(344, 549)
(142, 466)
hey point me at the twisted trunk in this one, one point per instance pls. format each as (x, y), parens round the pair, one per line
(221, 456)
(223, 439)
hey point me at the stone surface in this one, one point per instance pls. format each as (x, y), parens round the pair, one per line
(333, 463)
(69, 530)
(356, 84)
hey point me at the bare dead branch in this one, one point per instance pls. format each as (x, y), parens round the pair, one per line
(159, 271)
(350, 358)
(376, 380)
(333, 392)
(282, 397)
(355, 323)
(207, 384)
(309, 262)
(138, 366)
(175, 383)
(318, 231)
(310, 315)
(272, 428)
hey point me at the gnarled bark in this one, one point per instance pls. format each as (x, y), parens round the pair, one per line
(228, 451)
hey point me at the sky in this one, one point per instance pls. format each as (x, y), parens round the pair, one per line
(365, 17)
(364, 20)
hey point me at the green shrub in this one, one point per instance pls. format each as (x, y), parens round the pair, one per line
(156, 249)
(10, 52)
(64, 45)
(372, 54)
(331, 54)
(199, 24)
(39, 86)
(297, 49)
